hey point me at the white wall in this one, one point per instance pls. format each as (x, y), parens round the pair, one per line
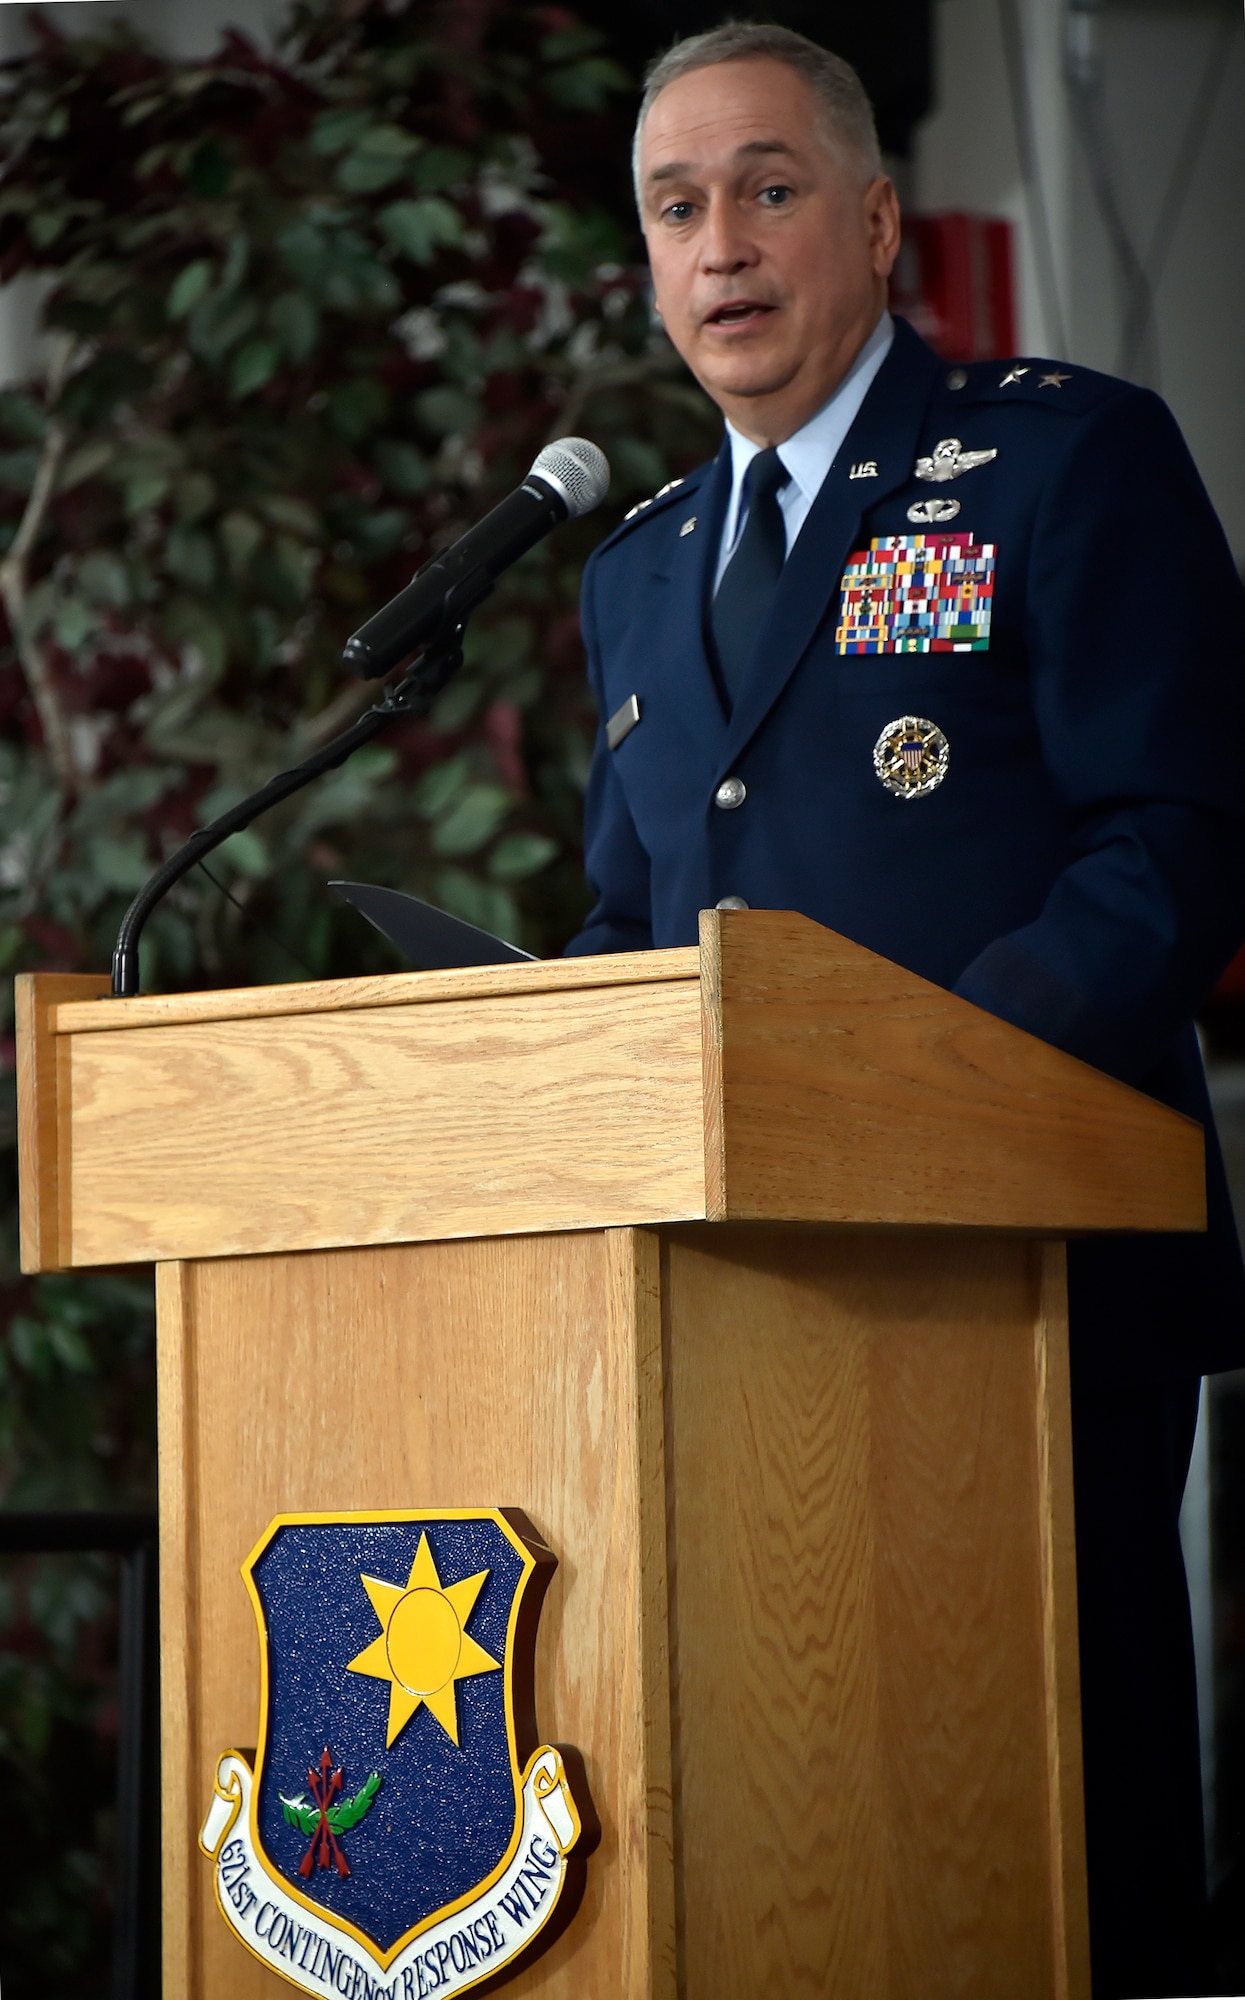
(187, 27)
(1154, 56)
(967, 153)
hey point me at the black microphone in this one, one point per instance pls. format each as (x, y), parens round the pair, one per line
(569, 478)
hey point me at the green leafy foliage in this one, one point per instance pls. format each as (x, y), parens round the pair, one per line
(297, 1812)
(311, 318)
(306, 318)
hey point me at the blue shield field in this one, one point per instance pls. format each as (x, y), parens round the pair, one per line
(387, 1774)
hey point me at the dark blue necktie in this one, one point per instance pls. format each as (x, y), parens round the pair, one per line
(747, 584)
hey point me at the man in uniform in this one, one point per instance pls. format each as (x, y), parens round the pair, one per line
(950, 660)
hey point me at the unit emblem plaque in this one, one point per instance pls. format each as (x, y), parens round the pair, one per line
(400, 1831)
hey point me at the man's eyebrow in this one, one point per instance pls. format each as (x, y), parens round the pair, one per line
(676, 170)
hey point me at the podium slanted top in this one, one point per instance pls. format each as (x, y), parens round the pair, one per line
(781, 1073)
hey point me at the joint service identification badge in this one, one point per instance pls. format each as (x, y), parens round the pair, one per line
(402, 1833)
(911, 757)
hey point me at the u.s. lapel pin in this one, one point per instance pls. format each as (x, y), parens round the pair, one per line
(864, 468)
(688, 525)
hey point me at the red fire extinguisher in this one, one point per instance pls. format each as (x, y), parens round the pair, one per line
(954, 281)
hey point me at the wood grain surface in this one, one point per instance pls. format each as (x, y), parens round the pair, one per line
(44, 1136)
(863, 1636)
(1056, 1524)
(390, 989)
(814, 1622)
(800, 1078)
(841, 1088)
(462, 1117)
(520, 1372)
(182, 1757)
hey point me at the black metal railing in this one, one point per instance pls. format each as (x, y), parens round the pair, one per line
(136, 1898)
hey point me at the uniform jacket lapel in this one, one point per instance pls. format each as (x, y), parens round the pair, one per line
(886, 430)
(683, 570)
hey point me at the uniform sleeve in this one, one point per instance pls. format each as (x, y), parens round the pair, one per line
(615, 861)
(1136, 641)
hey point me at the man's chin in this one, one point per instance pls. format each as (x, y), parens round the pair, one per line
(747, 372)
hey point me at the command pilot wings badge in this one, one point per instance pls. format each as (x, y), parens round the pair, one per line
(949, 460)
(400, 1830)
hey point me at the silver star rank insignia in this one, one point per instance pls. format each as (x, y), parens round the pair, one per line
(1055, 380)
(1013, 375)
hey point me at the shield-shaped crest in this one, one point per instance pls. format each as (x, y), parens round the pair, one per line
(401, 1817)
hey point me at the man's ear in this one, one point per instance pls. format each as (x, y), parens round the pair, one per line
(883, 223)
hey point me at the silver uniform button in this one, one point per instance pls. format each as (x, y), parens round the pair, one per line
(732, 903)
(730, 793)
(957, 378)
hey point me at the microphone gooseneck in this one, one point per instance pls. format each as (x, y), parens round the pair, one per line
(568, 478)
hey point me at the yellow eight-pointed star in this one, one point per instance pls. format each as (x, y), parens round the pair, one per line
(423, 1647)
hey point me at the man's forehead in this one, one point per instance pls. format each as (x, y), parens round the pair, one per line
(662, 168)
(729, 112)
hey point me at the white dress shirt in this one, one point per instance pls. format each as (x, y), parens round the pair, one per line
(810, 453)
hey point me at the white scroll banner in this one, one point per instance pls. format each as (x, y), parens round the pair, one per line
(452, 1955)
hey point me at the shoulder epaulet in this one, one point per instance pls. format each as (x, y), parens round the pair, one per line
(646, 510)
(1029, 379)
(660, 494)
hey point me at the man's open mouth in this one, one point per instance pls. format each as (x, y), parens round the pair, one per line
(737, 312)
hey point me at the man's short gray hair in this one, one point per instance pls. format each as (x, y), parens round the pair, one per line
(839, 93)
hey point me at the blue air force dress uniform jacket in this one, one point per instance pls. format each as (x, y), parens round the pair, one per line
(993, 728)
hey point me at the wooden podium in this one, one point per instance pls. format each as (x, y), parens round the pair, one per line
(740, 1272)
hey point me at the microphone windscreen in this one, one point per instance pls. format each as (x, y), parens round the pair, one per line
(578, 469)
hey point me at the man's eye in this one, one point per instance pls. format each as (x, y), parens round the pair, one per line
(775, 196)
(676, 211)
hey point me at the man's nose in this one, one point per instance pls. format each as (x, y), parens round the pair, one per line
(726, 244)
